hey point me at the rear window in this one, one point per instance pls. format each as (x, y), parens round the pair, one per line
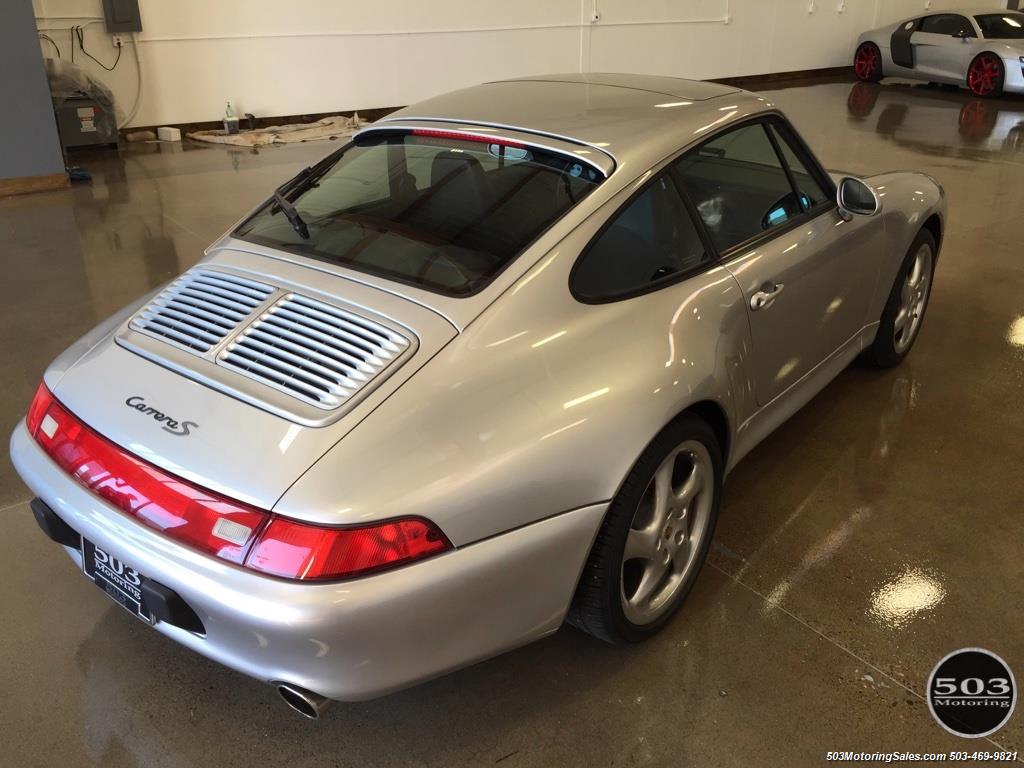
(446, 214)
(1002, 26)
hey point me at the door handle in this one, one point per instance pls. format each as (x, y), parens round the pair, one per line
(766, 296)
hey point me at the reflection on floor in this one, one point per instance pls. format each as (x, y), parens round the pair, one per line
(875, 532)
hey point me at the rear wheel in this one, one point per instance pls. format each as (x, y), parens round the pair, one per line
(908, 300)
(985, 75)
(655, 536)
(867, 63)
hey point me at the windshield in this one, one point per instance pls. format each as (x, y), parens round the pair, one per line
(1002, 26)
(446, 214)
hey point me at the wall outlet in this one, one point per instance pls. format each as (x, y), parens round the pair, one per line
(117, 41)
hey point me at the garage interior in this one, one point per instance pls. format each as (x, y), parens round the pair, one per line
(876, 531)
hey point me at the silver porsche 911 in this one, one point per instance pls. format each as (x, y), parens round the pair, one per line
(982, 50)
(480, 371)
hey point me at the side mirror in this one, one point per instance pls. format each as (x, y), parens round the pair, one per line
(855, 197)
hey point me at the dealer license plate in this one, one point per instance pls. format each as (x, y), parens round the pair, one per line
(115, 577)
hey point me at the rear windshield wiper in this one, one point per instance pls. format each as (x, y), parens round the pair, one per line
(291, 214)
(306, 178)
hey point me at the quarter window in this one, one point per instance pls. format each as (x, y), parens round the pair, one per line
(652, 239)
(1002, 26)
(739, 185)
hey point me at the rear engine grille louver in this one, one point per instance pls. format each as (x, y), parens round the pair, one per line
(201, 308)
(312, 351)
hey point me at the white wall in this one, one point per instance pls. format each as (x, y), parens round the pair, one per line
(308, 56)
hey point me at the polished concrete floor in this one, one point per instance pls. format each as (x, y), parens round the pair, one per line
(878, 530)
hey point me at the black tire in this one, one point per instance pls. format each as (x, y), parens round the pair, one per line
(867, 63)
(597, 608)
(978, 86)
(883, 353)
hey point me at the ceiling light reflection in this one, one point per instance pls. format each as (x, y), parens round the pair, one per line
(554, 336)
(562, 429)
(912, 592)
(584, 398)
(507, 338)
(1015, 333)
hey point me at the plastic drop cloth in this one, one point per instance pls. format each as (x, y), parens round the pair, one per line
(69, 81)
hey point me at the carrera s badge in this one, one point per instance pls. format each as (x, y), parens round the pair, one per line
(180, 428)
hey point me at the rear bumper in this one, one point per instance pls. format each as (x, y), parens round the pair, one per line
(350, 640)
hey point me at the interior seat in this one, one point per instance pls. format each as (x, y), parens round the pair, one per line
(458, 195)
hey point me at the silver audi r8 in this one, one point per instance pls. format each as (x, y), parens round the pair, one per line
(479, 371)
(982, 50)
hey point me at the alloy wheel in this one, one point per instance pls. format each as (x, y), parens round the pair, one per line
(865, 62)
(983, 76)
(665, 536)
(913, 297)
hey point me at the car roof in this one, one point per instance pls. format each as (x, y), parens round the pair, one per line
(978, 11)
(974, 11)
(635, 119)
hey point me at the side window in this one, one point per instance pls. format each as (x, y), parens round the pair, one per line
(964, 25)
(652, 238)
(946, 24)
(739, 185)
(811, 192)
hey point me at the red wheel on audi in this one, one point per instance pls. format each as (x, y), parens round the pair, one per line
(867, 63)
(985, 76)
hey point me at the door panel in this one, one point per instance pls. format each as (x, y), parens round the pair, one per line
(827, 268)
(939, 56)
(901, 50)
(807, 275)
(938, 51)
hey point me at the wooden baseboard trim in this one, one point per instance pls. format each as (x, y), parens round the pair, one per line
(25, 184)
(795, 77)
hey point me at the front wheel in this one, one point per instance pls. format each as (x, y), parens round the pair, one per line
(655, 536)
(985, 75)
(908, 300)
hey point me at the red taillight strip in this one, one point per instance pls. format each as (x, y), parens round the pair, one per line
(187, 513)
(216, 525)
(301, 551)
(463, 136)
(40, 402)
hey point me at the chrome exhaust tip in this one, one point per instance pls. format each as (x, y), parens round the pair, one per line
(306, 703)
